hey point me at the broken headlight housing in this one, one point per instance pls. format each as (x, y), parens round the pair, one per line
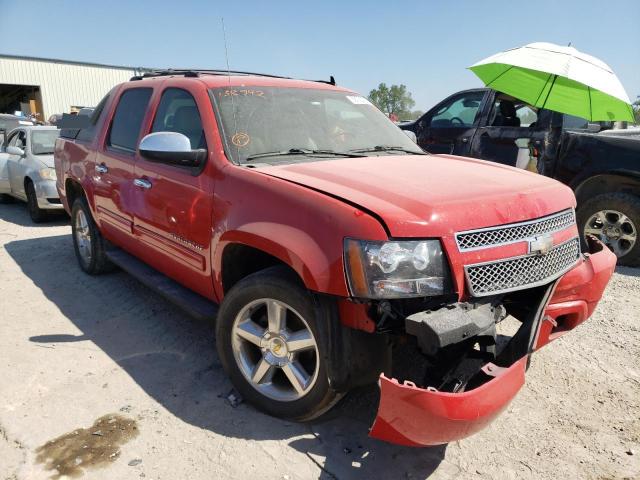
(395, 269)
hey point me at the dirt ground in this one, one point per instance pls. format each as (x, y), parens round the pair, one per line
(100, 373)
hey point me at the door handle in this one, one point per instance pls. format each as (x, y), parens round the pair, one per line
(102, 168)
(142, 183)
(465, 139)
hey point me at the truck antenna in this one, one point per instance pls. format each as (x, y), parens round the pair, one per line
(233, 106)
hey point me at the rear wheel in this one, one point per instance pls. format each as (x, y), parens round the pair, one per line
(614, 218)
(37, 214)
(88, 242)
(268, 342)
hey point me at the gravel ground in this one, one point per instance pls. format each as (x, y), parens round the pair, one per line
(86, 358)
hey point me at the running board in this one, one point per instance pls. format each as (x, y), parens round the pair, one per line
(195, 305)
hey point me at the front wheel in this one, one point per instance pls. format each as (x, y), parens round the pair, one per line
(268, 341)
(613, 218)
(37, 214)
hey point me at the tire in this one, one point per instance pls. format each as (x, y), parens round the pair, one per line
(612, 207)
(88, 242)
(4, 198)
(275, 394)
(37, 214)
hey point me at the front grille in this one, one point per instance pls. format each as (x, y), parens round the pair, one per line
(522, 272)
(515, 232)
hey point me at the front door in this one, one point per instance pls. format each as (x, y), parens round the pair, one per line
(449, 127)
(173, 210)
(16, 165)
(114, 164)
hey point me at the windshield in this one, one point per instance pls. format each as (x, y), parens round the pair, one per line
(43, 141)
(300, 124)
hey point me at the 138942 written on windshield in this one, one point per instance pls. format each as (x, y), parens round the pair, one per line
(240, 93)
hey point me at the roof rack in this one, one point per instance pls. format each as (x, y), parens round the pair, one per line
(198, 72)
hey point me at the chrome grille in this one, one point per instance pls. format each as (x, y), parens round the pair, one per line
(515, 232)
(527, 271)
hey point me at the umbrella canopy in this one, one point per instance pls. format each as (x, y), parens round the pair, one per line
(557, 78)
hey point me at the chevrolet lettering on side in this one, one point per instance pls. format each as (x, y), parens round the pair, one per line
(328, 246)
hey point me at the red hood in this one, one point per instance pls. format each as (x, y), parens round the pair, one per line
(434, 195)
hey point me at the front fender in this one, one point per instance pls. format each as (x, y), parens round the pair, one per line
(303, 228)
(290, 245)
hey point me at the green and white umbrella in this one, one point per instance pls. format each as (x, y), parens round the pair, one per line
(557, 78)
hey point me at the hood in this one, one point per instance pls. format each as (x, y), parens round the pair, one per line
(46, 160)
(432, 195)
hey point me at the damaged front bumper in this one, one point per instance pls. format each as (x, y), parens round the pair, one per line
(413, 416)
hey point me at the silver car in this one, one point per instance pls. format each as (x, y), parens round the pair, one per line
(27, 170)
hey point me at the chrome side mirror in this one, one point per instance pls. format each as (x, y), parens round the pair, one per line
(13, 150)
(172, 148)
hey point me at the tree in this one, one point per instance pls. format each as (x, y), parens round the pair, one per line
(395, 99)
(636, 110)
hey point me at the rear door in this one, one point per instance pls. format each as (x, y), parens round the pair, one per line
(114, 165)
(506, 138)
(173, 207)
(450, 126)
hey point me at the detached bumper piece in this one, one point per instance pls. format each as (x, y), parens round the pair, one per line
(413, 416)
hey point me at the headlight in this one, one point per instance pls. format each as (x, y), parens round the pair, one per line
(48, 173)
(395, 269)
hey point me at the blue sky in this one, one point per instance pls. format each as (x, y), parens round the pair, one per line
(425, 45)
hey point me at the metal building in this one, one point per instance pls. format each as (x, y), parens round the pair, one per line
(46, 86)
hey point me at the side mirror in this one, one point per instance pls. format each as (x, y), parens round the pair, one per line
(13, 150)
(172, 148)
(411, 135)
(594, 127)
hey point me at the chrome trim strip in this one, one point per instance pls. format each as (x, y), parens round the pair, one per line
(513, 225)
(527, 285)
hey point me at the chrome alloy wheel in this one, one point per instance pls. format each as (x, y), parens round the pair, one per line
(83, 236)
(614, 229)
(275, 349)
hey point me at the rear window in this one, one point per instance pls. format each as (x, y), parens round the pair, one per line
(127, 120)
(43, 141)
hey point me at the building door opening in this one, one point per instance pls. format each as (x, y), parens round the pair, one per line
(21, 98)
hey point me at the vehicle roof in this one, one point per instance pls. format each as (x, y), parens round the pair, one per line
(13, 117)
(36, 127)
(221, 81)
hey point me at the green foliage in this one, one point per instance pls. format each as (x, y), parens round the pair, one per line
(395, 99)
(636, 111)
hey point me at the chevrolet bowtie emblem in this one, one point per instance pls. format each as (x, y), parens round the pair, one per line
(541, 245)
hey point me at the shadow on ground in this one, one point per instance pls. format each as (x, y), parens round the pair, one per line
(629, 271)
(15, 212)
(172, 357)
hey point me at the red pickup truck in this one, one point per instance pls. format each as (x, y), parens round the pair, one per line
(327, 244)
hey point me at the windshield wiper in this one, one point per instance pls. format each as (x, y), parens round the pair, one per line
(387, 148)
(301, 151)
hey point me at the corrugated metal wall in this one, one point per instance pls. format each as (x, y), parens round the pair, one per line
(63, 84)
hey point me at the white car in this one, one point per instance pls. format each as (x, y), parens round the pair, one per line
(27, 171)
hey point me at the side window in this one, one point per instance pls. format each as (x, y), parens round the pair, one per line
(18, 139)
(527, 115)
(11, 141)
(573, 122)
(178, 112)
(127, 120)
(459, 112)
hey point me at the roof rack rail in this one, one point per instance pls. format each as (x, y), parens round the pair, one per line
(197, 72)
